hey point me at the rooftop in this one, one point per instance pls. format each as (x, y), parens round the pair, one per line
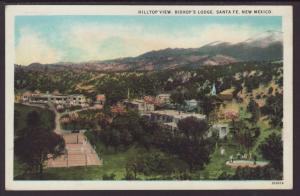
(171, 124)
(100, 97)
(164, 94)
(178, 114)
(227, 91)
(191, 100)
(52, 95)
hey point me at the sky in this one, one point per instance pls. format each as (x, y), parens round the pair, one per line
(51, 39)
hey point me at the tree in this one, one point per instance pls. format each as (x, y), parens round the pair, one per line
(253, 108)
(35, 147)
(208, 105)
(35, 143)
(123, 131)
(33, 119)
(157, 163)
(247, 173)
(232, 115)
(109, 176)
(194, 153)
(134, 165)
(272, 150)
(190, 142)
(192, 127)
(17, 116)
(151, 132)
(274, 109)
(245, 134)
(177, 97)
(154, 163)
(258, 173)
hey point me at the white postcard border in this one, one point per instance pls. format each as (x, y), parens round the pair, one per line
(10, 184)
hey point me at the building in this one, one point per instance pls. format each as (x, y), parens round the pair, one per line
(151, 100)
(25, 96)
(56, 99)
(191, 104)
(222, 130)
(170, 118)
(117, 109)
(164, 98)
(139, 105)
(226, 95)
(100, 101)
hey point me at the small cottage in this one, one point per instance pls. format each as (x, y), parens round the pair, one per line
(221, 130)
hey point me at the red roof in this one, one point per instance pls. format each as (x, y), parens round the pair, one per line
(117, 108)
(27, 93)
(100, 97)
(151, 100)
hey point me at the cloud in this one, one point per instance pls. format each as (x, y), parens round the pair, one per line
(32, 47)
(94, 41)
(107, 42)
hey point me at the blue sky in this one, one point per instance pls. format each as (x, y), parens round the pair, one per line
(49, 39)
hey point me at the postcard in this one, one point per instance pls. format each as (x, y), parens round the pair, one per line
(148, 97)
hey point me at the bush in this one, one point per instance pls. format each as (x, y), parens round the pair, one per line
(108, 176)
(272, 150)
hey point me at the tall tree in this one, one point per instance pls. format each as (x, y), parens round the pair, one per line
(36, 144)
(190, 142)
(244, 134)
(208, 105)
(272, 150)
(253, 108)
(177, 97)
(193, 128)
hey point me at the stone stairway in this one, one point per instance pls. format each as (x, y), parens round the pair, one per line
(79, 153)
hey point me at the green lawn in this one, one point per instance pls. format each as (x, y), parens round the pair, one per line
(217, 165)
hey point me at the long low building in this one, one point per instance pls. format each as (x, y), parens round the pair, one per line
(75, 99)
(139, 105)
(170, 118)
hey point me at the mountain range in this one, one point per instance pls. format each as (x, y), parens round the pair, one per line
(267, 46)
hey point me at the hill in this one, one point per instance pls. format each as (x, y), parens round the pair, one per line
(266, 46)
